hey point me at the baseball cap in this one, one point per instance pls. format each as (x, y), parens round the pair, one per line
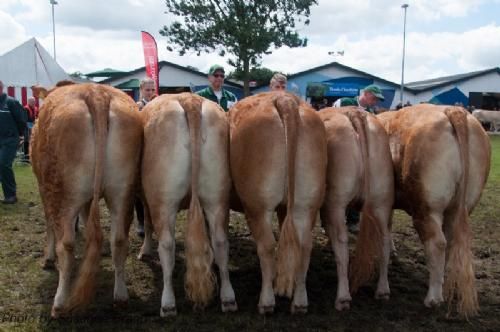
(214, 68)
(375, 90)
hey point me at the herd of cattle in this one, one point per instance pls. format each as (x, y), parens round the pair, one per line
(270, 153)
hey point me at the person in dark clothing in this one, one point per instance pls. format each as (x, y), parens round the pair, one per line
(12, 124)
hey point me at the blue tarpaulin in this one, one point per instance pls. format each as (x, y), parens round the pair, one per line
(450, 97)
(346, 87)
(341, 89)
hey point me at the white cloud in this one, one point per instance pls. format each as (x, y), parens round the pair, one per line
(12, 33)
(94, 34)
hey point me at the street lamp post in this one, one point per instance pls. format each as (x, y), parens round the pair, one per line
(53, 2)
(404, 6)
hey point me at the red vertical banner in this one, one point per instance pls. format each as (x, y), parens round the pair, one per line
(151, 58)
(24, 95)
(11, 91)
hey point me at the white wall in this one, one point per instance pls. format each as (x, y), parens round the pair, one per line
(486, 83)
(169, 77)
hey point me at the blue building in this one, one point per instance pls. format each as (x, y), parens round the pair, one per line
(333, 81)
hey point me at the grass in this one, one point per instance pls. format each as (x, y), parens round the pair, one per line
(26, 291)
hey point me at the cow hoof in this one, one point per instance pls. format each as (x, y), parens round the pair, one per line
(56, 312)
(342, 305)
(431, 303)
(144, 257)
(297, 309)
(383, 296)
(267, 309)
(48, 264)
(120, 304)
(168, 312)
(229, 306)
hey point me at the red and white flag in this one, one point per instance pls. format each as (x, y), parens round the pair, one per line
(151, 58)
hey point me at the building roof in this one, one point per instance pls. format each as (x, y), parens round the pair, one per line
(30, 64)
(162, 64)
(133, 83)
(339, 65)
(106, 72)
(434, 83)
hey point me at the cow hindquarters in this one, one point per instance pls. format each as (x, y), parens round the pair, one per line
(214, 187)
(309, 194)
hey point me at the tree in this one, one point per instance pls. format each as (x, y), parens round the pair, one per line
(261, 75)
(192, 68)
(77, 74)
(245, 29)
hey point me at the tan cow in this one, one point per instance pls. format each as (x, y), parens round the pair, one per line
(278, 158)
(186, 160)
(441, 158)
(359, 175)
(86, 145)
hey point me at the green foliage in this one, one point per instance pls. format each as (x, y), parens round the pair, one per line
(192, 68)
(77, 74)
(242, 28)
(260, 75)
(316, 90)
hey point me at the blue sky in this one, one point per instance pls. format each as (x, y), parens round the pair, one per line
(444, 37)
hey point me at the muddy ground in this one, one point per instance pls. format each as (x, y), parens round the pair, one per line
(26, 291)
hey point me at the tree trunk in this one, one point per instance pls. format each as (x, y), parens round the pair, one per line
(246, 77)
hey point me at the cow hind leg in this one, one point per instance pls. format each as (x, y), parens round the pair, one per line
(260, 226)
(120, 204)
(147, 245)
(431, 234)
(383, 216)
(65, 234)
(166, 251)
(334, 220)
(217, 218)
(304, 221)
(49, 258)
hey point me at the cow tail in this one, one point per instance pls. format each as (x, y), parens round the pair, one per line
(84, 287)
(460, 279)
(369, 240)
(289, 253)
(200, 280)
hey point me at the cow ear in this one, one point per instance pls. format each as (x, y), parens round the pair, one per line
(39, 92)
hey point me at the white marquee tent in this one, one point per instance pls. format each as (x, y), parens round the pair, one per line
(27, 65)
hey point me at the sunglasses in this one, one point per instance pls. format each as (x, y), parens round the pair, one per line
(219, 75)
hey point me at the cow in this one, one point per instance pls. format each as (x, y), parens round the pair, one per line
(278, 161)
(86, 145)
(185, 164)
(359, 175)
(491, 117)
(441, 157)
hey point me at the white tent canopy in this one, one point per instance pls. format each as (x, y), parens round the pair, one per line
(30, 64)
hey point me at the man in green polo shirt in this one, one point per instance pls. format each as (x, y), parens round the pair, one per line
(368, 98)
(215, 91)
